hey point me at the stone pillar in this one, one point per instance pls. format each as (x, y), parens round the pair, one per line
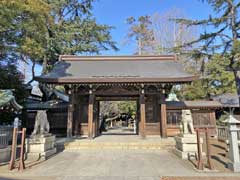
(143, 113)
(234, 144)
(90, 114)
(70, 116)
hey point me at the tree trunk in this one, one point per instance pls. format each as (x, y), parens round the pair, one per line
(237, 81)
(139, 46)
(44, 65)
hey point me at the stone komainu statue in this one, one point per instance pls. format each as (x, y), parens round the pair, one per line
(41, 123)
(187, 122)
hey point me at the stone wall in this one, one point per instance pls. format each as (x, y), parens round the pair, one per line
(5, 155)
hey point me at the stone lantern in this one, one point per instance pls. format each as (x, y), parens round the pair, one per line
(234, 142)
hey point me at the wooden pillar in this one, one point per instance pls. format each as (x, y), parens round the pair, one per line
(138, 122)
(142, 113)
(163, 120)
(14, 149)
(163, 110)
(97, 119)
(21, 166)
(90, 114)
(76, 120)
(70, 116)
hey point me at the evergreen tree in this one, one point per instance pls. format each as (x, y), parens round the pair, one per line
(215, 80)
(41, 30)
(11, 78)
(74, 31)
(221, 35)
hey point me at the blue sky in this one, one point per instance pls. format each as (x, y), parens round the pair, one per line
(115, 13)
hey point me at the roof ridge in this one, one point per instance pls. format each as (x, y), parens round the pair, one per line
(118, 58)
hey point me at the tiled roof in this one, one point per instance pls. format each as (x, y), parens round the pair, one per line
(7, 98)
(52, 104)
(111, 69)
(194, 104)
(228, 99)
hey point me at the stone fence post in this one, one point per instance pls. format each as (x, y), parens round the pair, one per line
(234, 141)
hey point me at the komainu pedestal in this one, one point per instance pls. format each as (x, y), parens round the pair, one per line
(41, 144)
(186, 142)
(186, 145)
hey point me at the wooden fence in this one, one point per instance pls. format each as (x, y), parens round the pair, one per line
(222, 133)
(201, 119)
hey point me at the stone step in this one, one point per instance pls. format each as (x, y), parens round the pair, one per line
(118, 145)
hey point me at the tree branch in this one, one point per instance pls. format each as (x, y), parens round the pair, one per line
(33, 72)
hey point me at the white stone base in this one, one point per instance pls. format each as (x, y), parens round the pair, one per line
(41, 156)
(41, 147)
(5, 154)
(184, 155)
(186, 146)
(235, 167)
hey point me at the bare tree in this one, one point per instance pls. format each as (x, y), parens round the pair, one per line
(161, 34)
(169, 36)
(141, 32)
(108, 108)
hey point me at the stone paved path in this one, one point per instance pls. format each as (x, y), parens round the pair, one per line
(201, 178)
(110, 165)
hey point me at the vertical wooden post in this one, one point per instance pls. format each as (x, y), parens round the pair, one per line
(163, 115)
(77, 119)
(208, 149)
(138, 120)
(21, 161)
(163, 119)
(70, 116)
(90, 114)
(14, 148)
(200, 161)
(97, 120)
(142, 113)
(70, 119)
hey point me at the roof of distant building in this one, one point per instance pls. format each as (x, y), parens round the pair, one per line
(198, 104)
(227, 99)
(7, 99)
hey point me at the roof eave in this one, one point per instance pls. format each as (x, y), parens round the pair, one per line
(115, 80)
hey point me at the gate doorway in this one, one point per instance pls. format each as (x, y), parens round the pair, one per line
(119, 117)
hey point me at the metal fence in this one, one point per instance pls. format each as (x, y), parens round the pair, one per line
(5, 136)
